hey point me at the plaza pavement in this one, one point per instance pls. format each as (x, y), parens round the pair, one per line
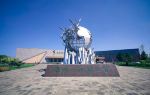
(28, 81)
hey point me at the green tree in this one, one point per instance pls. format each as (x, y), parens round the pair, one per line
(3, 59)
(120, 57)
(10, 61)
(3, 56)
(124, 57)
(127, 58)
(15, 62)
(143, 55)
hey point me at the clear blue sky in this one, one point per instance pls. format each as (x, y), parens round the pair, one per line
(115, 24)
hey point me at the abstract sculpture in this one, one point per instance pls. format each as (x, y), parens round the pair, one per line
(77, 41)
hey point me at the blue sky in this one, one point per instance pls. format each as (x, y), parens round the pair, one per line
(114, 24)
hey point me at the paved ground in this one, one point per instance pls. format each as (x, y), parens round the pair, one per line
(28, 81)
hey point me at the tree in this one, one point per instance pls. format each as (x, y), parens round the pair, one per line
(10, 61)
(124, 57)
(3, 58)
(143, 56)
(141, 48)
(127, 58)
(119, 57)
(15, 62)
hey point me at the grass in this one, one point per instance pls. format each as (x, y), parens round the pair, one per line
(5, 67)
(22, 66)
(137, 65)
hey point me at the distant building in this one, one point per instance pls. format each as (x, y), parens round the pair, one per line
(111, 55)
(100, 59)
(35, 55)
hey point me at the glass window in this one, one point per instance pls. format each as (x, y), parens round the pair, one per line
(55, 60)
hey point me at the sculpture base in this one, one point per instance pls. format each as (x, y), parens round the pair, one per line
(81, 70)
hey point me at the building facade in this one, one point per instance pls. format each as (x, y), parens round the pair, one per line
(111, 55)
(35, 55)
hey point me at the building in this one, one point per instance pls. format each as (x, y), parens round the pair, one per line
(100, 59)
(111, 55)
(35, 55)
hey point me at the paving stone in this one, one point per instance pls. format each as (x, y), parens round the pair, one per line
(29, 81)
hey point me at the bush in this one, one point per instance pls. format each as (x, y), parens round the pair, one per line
(126, 60)
(15, 62)
(148, 60)
(9, 63)
(124, 57)
(141, 64)
(4, 68)
(120, 63)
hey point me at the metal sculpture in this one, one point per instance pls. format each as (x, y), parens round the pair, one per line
(77, 41)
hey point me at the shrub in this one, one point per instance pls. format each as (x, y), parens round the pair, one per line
(16, 62)
(9, 63)
(4, 67)
(120, 63)
(124, 57)
(148, 60)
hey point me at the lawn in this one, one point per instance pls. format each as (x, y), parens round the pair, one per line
(22, 66)
(133, 64)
